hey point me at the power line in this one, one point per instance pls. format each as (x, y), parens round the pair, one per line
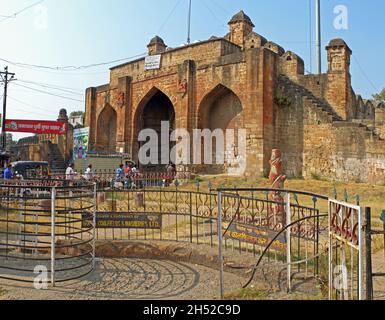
(30, 105)
(365, 75)
(52, 85)
(48, 93)
(213, 13)
(21, 11)
(30, 112)
(221, 7)
(169, 16)
(46, 86)
(69, 68)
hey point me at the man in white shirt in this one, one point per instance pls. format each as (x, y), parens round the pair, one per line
(70, 172)
(88, 173)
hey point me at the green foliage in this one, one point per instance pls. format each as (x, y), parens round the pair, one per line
(76, 114)
(316, 177)
(380, 97)
(282, 100)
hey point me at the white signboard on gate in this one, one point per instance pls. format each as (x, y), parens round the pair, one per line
(152, 62)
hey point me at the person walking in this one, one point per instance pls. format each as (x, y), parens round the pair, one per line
(70, 172)
(88, 174)
(8, 174)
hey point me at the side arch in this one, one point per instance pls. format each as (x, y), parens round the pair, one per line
(222, 109)
(219, 108)
(106, 129)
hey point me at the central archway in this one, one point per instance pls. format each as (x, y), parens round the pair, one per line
(154, 110)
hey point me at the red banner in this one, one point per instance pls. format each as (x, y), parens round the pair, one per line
(37, 127)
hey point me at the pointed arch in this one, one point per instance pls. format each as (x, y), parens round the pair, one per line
(106, 129)
(222, 109)
(155, 107)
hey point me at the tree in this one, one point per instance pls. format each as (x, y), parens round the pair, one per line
(76, 113)
(380, 97)
(10, 142)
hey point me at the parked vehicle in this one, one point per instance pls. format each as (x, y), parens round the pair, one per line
(31, 169)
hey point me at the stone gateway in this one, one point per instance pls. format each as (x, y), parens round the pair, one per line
(244, 81)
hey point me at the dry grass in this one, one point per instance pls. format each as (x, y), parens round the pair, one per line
(263, 292)
(370, 195)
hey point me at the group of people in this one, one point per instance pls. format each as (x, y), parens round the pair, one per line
(128, 175)
(71, 173)
(125, 176)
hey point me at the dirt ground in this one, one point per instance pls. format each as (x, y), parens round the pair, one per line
(136, 279)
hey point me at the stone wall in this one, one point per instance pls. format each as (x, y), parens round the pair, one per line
(323, 129)
(249, 75)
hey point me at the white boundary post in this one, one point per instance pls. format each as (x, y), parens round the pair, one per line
(220, 244)
(94, 229)
(288, 241)
(360, 253)
(53, 234)
(330, 253)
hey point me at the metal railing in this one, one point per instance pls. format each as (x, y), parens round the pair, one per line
(41, 230)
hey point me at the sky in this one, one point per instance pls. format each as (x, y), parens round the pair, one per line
(58, 33)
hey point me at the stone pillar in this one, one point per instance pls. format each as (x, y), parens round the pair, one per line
(90, 116)
(123, 106)
(185, 110)
(339, 90)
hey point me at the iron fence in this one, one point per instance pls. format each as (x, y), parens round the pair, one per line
(250, 220)
(41, 233)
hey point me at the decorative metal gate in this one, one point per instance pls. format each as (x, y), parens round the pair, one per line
(346, 247)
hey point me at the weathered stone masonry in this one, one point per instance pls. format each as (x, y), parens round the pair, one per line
(245, 81)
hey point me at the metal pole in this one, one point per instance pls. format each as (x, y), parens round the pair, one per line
(288, 240)
(220, 243)
(189, 24)
(360, 254)
(6, 80)
(369, 270)
(94, 228)
(318, 36)
(53, 235)
(330, 254)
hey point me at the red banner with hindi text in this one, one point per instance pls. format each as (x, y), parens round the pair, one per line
(37, 127)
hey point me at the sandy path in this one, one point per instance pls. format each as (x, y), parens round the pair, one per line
(126, 279)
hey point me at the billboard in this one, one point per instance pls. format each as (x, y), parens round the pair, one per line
(81, 139)
(36, 127)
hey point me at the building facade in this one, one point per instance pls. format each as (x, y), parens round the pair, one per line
(244, 81)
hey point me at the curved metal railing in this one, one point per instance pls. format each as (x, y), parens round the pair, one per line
(42, 231)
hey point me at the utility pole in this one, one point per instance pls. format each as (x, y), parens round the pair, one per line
(6, 78)
(318, 36)
(189, 23)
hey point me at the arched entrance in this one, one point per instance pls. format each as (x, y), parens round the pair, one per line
(222, 109)
(106, 132)
(157, 108)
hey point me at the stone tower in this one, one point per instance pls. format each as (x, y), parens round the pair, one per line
(339, 93)
(156, 46)
(240, 27)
